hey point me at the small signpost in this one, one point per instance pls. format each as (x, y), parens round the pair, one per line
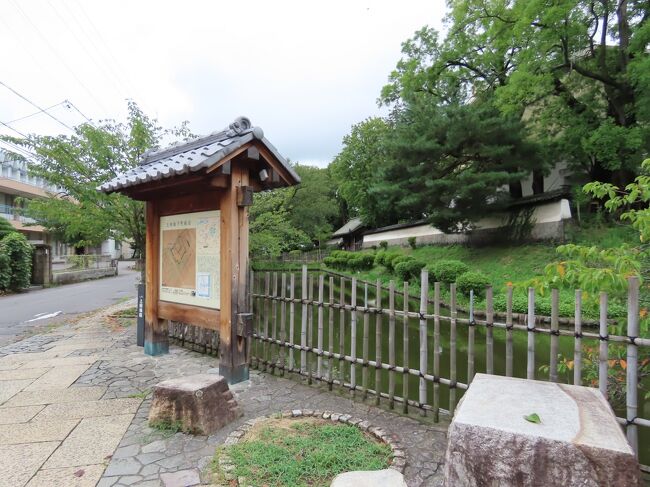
(197, 196)
(140, 323)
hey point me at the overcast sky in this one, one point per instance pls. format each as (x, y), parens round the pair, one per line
(303, 71)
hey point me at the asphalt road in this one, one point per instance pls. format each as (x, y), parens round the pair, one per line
(27, 313)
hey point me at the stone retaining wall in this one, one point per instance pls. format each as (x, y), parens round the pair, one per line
(82, 275)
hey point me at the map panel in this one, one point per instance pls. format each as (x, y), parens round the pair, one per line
(189, 258)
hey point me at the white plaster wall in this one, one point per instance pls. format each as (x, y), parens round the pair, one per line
(548, 218)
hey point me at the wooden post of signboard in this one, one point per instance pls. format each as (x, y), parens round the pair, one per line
(234, 268)
(156, 338)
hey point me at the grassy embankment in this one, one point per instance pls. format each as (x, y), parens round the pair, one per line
(503, 264)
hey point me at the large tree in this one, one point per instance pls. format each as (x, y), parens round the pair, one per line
(77, 164)
(577, 71)
(296, 217)
(451, 164)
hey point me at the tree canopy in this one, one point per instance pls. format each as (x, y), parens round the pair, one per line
(80, 215)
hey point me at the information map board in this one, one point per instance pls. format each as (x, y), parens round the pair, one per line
(189, 259)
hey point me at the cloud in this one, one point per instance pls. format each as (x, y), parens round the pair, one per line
(303, 71)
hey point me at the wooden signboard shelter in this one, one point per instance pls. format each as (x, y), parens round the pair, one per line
(197, 196)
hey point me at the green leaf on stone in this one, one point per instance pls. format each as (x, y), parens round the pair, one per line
(533, 418)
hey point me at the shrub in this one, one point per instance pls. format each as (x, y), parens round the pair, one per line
(16, 247)
(343, 260)
(472, 280)
(6, 228)
(412, 242)
(392, 259)
(409, 270)
(379, 257)
(383, 244)
(446, 270)
(5, 271)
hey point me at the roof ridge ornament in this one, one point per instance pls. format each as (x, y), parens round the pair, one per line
(240, 125)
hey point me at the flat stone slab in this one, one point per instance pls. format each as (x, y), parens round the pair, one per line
(577, 443)
(35, 431)
(9, 388)
(91, 442)
(369, 478)
(202, 403)
(17, 374)
(20, 414)
(57, 378)
(182, 478)
(82, 476)
(72, 394)
(18, 463)
(87, 409)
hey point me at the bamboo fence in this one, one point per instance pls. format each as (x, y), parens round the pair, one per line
(339, 364)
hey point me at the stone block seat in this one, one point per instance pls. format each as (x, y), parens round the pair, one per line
(199, 404)
(577, 443)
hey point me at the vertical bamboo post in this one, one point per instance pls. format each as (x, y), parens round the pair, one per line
(436, 351)
(330, 333)
(310, 329)
(342, 332)
(391, 345)
(452, 350)
(353, 336)
(303, 322)
(603, 352)
(258, 320)
(405, 358)
(555, 338)
(366, 332)
(274, 321)
(292, 306)
(378, 324)
(489, 331)
(321, 297)
(283, 319)
(509, 331)
(530, 362)
(470, 339)
(424, 291)
(267, 313)
(577, 349)
(632, 359)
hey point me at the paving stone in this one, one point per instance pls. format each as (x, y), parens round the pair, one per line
(182, 478)
(84, 476)
(9, 388)
(107, 481)
(59, 362)
(91, 442)
(127, 451)
(130, 479)
(11, 434)
(147, 458)
(69, 395)
(17, 374)
(86, 409)
(150, 470)
(156, 446)
(57, 378)
(20, 414)
(18, 463)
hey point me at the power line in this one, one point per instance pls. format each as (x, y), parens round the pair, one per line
(83, 45)
(36, 106)
(79, 112)
(15, 130)
(38, 112)
(124, 86)
(56, 53)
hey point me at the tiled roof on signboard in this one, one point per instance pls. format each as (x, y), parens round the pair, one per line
(193, 155)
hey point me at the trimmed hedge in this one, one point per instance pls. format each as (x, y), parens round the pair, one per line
(355, 261)
(409, 270)
(446, 271)
(472, 280)
(19, 252)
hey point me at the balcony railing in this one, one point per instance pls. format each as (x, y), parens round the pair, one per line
(15, 213)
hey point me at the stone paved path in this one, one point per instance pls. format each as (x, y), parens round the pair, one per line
(74, 406)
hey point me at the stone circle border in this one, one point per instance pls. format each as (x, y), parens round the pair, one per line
(398, 461)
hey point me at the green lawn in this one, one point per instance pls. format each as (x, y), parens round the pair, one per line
(504, 264)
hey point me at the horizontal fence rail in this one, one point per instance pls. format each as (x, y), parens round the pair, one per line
(335, 330)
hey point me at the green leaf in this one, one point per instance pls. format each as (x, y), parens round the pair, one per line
(533, 418)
